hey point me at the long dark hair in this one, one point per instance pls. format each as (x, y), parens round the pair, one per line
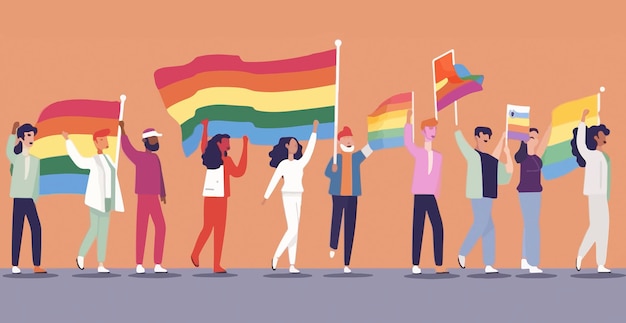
(591, 141)
(27, 127)
(280, 152)
(522, 152)
(212, 156)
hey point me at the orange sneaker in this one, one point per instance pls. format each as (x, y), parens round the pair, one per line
(219, 270)
(39, 270)
(195, 261)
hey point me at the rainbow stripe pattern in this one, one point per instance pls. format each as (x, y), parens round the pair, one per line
(518, 122)
(558, 159)
(80, 118)
(385, 126)
(264, 100)
(453, 81)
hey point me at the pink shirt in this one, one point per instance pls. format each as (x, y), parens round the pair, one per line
(423, 182)
(148, 175)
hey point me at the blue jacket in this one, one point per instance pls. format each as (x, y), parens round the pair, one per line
(335, 177)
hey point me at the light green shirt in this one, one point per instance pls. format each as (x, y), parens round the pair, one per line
(474, 179)
(23, 184)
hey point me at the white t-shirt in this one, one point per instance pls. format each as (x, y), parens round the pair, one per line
(292, 171)
(596, 168)
(107, 175)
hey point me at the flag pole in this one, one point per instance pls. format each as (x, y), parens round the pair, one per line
(413, 114)
(506, 126)
(435, 91)
(456, 114)
(338, 45)
(119, 131)
(602, 89)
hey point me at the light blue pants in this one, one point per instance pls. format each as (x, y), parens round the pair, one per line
(531, 206)
(481, 228)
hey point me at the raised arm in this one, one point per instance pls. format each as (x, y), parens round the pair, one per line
(543, 144)
(80, 161)
(408, 134)
(240, 169)
(464, 146)
(498, 150)
(205, 130)
(310, 146)
(581, 137)
(11, 143)
(130, 151)
(273, 182)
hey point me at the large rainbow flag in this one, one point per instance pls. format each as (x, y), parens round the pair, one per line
(385, 126)
(558, 159)
(453, 81)
(264, 100)
(80, 118)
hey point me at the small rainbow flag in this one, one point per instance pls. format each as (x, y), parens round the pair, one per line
(80, 118)
(264, 100)
(385, 126)
(558, 159)
(453, 81)
(518, 122)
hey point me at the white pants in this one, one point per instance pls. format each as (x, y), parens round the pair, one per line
(292, 203)
(598, 231)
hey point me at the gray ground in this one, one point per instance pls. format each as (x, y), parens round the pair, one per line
(320, 295)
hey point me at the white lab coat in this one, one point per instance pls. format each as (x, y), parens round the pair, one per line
(95, 194)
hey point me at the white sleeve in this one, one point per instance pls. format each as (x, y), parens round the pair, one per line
(273, 182)
(367, 150)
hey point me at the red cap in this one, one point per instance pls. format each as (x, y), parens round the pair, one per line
(345, 132)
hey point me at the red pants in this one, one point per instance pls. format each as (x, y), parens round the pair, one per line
(148, 205)
(214, 218)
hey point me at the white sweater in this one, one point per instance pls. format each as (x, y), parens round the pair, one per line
(292, 171)
(596, 168)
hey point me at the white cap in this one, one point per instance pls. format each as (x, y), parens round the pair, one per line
(150, 132)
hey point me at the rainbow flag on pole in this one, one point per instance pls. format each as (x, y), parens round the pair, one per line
(264, 100)
(385, 126)
(452, 81)
(80, 118)
(558, 159)
(517, 122)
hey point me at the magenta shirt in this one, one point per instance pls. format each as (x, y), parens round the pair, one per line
(423, 183)
(148, 175)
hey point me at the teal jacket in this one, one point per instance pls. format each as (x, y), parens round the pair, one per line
(20, 187)
(335, 177)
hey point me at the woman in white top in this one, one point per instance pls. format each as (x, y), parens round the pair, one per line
(587, 147)
(289, 161)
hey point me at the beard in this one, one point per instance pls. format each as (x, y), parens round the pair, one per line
(346, 149)
(150, 147)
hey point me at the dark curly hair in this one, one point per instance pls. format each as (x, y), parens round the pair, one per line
(280, 152)
(212, 157)
(591, 142)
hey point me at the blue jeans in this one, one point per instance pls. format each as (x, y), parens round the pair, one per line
(531, 206)
(481, 228)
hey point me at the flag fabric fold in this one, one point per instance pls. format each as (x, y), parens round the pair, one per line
(80, 118)
(453, 81)
(385, 126)
(264, 100)
(558, 159)
(518, 122)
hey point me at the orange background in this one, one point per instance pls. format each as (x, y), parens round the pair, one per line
(538, 54)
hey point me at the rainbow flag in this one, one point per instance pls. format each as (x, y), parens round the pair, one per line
(518, 122)
(558, 159)
(80, 118)
(453, 81)
(385, 126)
(264, 100)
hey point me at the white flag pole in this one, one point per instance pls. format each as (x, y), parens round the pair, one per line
(435, 91)
(413, 113)
(119, 130)
(338, 45)
(456, 113)
(602, 89)
(506, 126)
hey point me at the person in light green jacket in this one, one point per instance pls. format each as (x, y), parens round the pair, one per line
(484, 173)
(24, 191)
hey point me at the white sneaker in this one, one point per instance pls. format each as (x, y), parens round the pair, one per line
(274, 263)
(461, 261)
(80, 262)
(16, 270)
(346, 270)
(140, 269)
(416, 270)
(293, 270)
(159, 270)
(103, 270)
(490, 270)
(535, 270)
(332, 254)
(579, 261)
(603, 270)
(525, 264)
